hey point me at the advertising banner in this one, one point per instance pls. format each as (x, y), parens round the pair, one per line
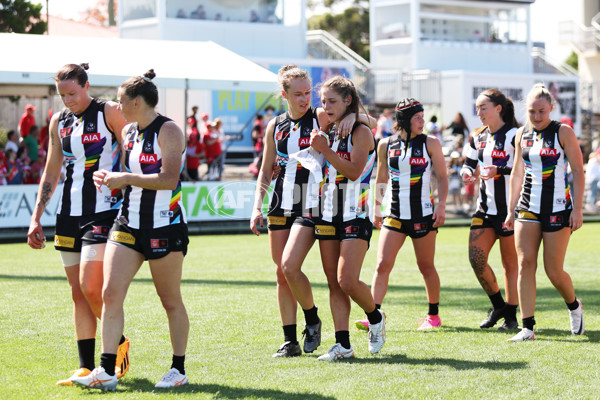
(203, 201)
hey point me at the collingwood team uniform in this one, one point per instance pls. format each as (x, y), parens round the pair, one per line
(345, 203)
(488, 149)
(409, 205)
(151, 222)
(84, 213)
(545, 196)
(289, 203)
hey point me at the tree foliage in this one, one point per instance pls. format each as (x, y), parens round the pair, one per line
(21, 16)
(573, 61)
(99, 13)
(351, 26)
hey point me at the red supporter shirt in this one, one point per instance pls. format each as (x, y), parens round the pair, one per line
(26, 122)
(212, 150)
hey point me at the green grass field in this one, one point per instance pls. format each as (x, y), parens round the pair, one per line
(229, 291)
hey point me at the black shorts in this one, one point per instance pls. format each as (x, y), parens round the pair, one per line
(415, 228)
(152, 243)
(551, 222)
(72, 232)
(496, 222)
(358, 228)
(280, 223)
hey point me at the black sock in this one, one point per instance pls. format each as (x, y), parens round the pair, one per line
(122, 340)
(86, 348)
(528, 323)
(289, 333)
(378, 306)
(511, 312)
(108, 361)
(374, 316)
(179, 363)
(311, 316)
(434, 309)
(574, 305)
(497, 300)
(343, 338)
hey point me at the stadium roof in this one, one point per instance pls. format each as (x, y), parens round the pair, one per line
(34, 59)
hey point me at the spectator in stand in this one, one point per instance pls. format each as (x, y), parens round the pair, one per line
(27, 120)
(12, 143)
(203, 124)
(267, 117)
(38, 167)
(223, 139)
(458, 126)
(434, 129)
(199, 13)
(44, 132)
(455, 181)
(257, 135)
(181, 13)
(212, 150)
(32, 143)
(385, 124)
(3, 170)
(193, 118)
(195, 148)
(592, 179)
(254, 16)
(14, 168)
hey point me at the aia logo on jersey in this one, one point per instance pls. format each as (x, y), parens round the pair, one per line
(304, 141)
(417, 161)
(352, 229)
(344, 155)
(148, 158)
(480, 145)
(158, 243)
(420, 227)
(65, 132)
(128, 146)
(394, 153)
(279, 135)
(90, 138)
(548, 152)
(498, 154)
(526, 143)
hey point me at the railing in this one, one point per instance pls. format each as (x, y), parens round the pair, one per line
(323, 45)
(543, 65)
(585, 38)
(391, 85)
(337, 49)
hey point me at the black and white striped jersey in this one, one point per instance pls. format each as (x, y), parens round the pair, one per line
(342, 199)
(291, 136)
(487, 149)
(545, 185)
(409, 178)
(88, 145)
(147, 208)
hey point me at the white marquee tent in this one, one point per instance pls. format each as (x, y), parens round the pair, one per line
(34, 59)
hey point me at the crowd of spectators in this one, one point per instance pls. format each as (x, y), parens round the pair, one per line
(23, 157)
(206, 143)
(265, 15)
